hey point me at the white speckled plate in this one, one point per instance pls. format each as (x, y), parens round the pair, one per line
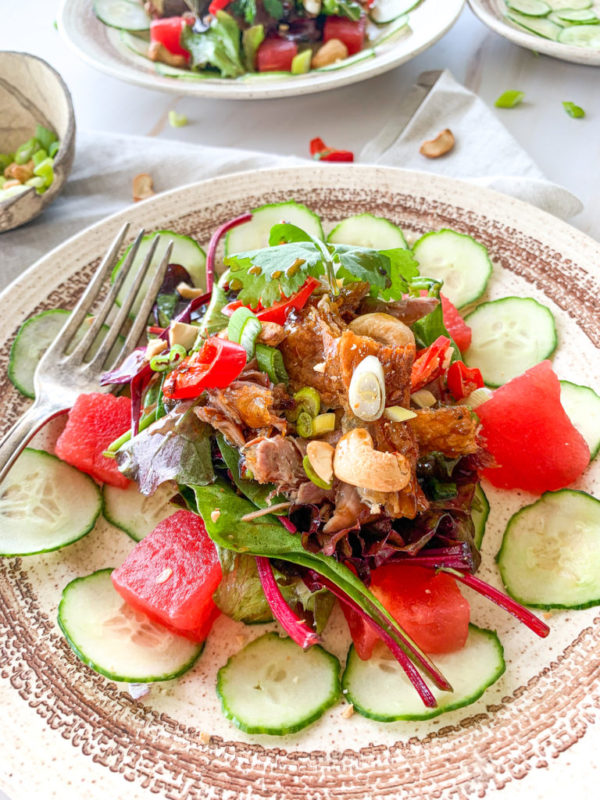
(101, 47)
(68, 733)
(491, 12)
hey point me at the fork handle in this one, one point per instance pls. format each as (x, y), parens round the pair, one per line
(22, 431)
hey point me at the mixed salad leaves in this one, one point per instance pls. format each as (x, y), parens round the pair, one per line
(313, 429)
(238, 38)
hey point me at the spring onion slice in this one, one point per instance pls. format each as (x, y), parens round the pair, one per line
(270, 361)
(244, 328)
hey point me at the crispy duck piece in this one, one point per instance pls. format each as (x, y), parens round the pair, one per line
(448, 430)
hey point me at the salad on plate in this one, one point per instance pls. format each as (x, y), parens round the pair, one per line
(195, 40)
(313, 428)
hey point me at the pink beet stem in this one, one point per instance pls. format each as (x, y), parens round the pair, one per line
(292, 624)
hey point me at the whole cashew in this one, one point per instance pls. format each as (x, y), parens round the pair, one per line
(383, 328)
(356, 462)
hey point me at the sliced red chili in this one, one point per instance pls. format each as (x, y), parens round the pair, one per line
(214, 367)
(430, 363)
(218, 5)
(320, 152)
(462, 380)
(279, 311)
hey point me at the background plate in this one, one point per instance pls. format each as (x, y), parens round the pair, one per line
(69, 733)
(491, 12)
(100, 47)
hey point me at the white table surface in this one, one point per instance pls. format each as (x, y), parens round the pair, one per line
(567, 150)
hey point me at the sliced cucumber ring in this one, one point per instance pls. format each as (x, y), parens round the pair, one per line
(273, 686)
(509, 336)
(540, 25)
(581, 36)
(365, 230)
(136, 44)
(127, 14)
(117, 641)
(480, 509)
(384, 11)
(582, 405)
(133, 512)
(558, 5)
(254, 235)
(33, 339)
(45, 504)
(578, 16)
(389, 32)
(550, 553)
(186, 252)
(531, 8)
(379, 689)
(462, 263)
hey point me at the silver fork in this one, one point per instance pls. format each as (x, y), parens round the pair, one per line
(61, 377)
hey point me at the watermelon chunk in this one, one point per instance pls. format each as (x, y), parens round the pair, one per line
(429, 606)
(455, 325)
(94, 422)
(171, 576)
(527, 431)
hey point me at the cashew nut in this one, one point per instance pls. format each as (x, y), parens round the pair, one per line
(356, 462)
(330, 52)
(442, 144)
(383, 328)
(183, 334)
(142, 187)
(320, 455)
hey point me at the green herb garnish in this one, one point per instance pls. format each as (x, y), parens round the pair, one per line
(509, 99)
(573, 110)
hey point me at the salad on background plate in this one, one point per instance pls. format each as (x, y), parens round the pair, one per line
(312, 429)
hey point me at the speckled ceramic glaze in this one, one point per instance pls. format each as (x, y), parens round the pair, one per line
(103, 49)
(492, 13)
(69, 733)
(32, 92)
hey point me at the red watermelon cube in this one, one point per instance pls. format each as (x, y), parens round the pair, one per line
(527, 431)
(94, 422)
(172, 574)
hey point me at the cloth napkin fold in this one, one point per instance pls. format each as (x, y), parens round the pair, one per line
(100, 183)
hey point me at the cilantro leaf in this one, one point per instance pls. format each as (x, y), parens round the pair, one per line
(403, 268)
(264, 275)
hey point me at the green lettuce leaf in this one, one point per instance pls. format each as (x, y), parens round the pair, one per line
(252, 38)
(219, 46)
(342, 8)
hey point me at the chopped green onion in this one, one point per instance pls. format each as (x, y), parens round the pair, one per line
(45, 136)
(53, 149)
(165, 361)
(24, 152)
(572, 110)
(509, 99)
(323, 423)
(177, 120)
(244, 328)
(145, 421)
(398, 413)
(39, 156)
(309, 400)
(5, 160)
(304, 425)
(45, 170)
(37, 182)
(312, 475)
(270, 361)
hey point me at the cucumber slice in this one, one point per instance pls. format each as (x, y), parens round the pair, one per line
(582, 405)
(391, 31)
(133, 512)
(559, 5)
(531, 8)
(185, 74)
(539, 25)
(273, 686)
(365, 53)
(462, 263)
(136, 44)
(480, 509)
(117, 641)
(186, 252)
(365, 230)
(550, 553)
(379, 689)
(581, 36)
(509, 336)
(384, 11)
(45, 504)
(33, 339)
(578, 16)
(126, 14)
(254, 235)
